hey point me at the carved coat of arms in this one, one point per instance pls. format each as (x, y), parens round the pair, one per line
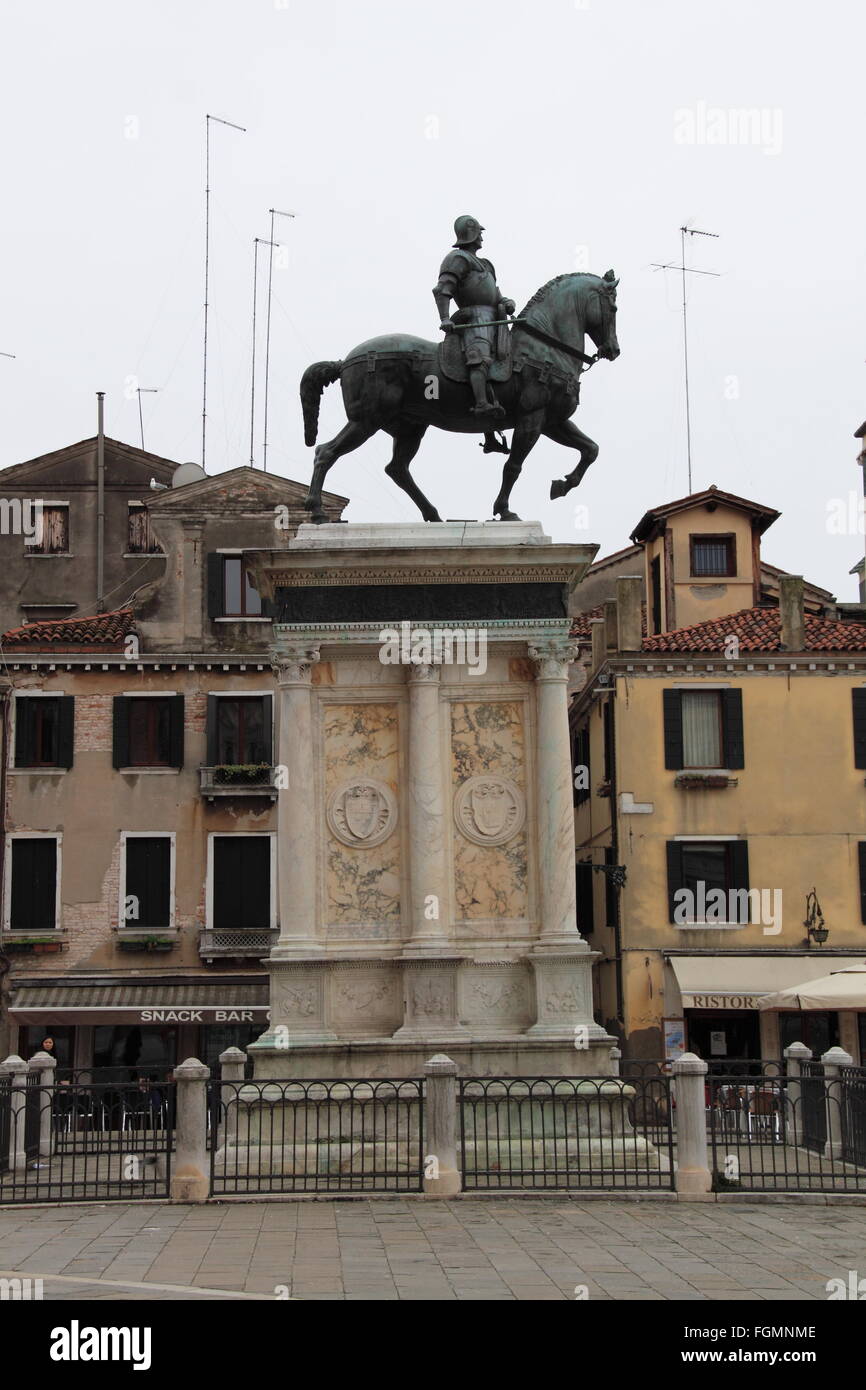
(362, 814)
(489, 810)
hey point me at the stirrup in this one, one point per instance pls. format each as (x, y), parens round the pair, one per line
(495, 443)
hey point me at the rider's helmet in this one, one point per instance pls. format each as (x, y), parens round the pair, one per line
(467, 229)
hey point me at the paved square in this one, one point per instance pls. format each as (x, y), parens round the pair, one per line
(408, 1248)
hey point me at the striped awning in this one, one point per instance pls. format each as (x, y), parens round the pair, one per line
(142, 1001)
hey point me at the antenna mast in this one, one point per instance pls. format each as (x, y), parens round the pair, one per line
(232, 125)
(689, 230)
(275, 212)
(257, 242)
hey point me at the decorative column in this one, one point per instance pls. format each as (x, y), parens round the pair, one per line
(297, 823)
(561, 959)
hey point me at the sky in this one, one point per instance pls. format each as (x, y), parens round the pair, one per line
(581, 133)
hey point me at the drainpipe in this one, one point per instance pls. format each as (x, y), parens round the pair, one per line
(100, 504)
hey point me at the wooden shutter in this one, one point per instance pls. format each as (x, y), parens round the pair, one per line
(212, 711)
(738, 861)
(175, 730)
(242, 881)
(65, 730)
(120, 739)
(215, 603)
(25, 753)
(33, 902)
(148, 877)
(675, 873)
(859, 696)
(861, 851)
(268, 729)
(732, 716)
(673, 717)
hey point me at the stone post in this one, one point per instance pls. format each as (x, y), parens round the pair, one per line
(428, 818)
(232, 1063)
(46, 1066)
(615, 1059)
(834, 1061)
(297, 823)
(795, 1055)
(693, 1177)
(190, 1174)
(440, 1128)
(16, 1069)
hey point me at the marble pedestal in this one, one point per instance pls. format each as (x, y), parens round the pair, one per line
(425, 839)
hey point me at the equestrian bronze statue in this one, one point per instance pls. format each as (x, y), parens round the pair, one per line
(492, 372)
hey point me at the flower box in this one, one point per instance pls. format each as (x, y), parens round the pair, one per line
(694, 782)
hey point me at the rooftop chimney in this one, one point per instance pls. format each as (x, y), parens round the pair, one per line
(629, 595)
(791, 612)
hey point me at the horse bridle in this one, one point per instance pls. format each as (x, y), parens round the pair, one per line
(556, 343)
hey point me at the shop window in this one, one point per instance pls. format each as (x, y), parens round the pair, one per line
(148, 731)
(147, 882)
(713, 556)
(44, 730)
(231, 594)
(239, 730)
(133, 1050)
(218, 1037)
(241, 882)
(54, 539)
(817, 1029)
(35, 1036)
(702, 868)
(33, 886)
(703, 728)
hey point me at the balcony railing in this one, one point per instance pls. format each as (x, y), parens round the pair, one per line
(242, 941)
(248, 779)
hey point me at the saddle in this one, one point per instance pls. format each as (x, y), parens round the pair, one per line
(451, 365)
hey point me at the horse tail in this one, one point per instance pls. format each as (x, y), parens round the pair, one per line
(313, 383)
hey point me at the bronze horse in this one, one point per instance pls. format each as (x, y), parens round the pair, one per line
(393, 383)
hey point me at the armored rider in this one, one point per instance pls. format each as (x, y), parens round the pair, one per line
(470, 281)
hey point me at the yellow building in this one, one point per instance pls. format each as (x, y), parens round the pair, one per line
(719, 780)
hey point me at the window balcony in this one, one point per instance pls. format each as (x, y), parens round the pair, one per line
(241, 779)
(249, 942)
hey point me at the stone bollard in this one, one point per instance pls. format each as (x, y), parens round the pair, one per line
(834, 1061)
(232, 1065)
(16, 1069)
(441, 1175)
(693, 1177)
(190, 1176)
(795, 1056)
(615, 1059)
(46, 1066)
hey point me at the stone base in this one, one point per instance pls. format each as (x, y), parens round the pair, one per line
(398, 1058)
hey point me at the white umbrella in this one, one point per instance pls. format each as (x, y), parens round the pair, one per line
(842, 989)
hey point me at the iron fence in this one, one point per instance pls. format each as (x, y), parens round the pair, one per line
(814, 1127)
(316, 1136)
(854, 1115)
(566, 1132)
(84, 1143)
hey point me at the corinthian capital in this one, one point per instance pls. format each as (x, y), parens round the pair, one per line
(552, 658)
(294, 664)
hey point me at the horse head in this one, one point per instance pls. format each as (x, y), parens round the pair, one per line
(576, 303)
(600, 320)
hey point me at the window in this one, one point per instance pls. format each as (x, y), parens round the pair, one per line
(703, 729)
(140, 540)
(44, 730)
(230, 593)
(55, 531)
(148, 731)
(580, 765)
(585, 903)
(33, 885)
(705, 868)
(861, 857)
(241, 881)
(239, 730)
(713, 556)
(147, 882)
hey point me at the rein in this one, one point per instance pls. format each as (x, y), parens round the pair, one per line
(554, 342)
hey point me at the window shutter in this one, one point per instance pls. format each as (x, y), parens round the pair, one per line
(268, 729)
(24, 734)
(175, 730)
(212, 710)
(732, 707)
(861, 850)
(120, 740)
(65, 730)
(227, 882)
(34, 885)
(675, 873)
(739, 870)
(255, 879)
(585, 909)
(859, 696)
(215, 605)
(148, 877)
(673, 716)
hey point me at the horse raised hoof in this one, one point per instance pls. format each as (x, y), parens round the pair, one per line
(558, 488)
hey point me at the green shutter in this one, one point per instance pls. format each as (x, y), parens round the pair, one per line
(738, 851)
(24, 751)
(33, 898)
(65, 730)
(675, 873)
(732, 712)
(212, 749)
(215, 601)
(673, 721)
(175, 730)
(861, 851)
(859, 697)
(120, 739)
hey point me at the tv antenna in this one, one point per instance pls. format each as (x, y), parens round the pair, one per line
(148, 391)
(275, 212)
(219, 120)
(257, 242)
(687, 230)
